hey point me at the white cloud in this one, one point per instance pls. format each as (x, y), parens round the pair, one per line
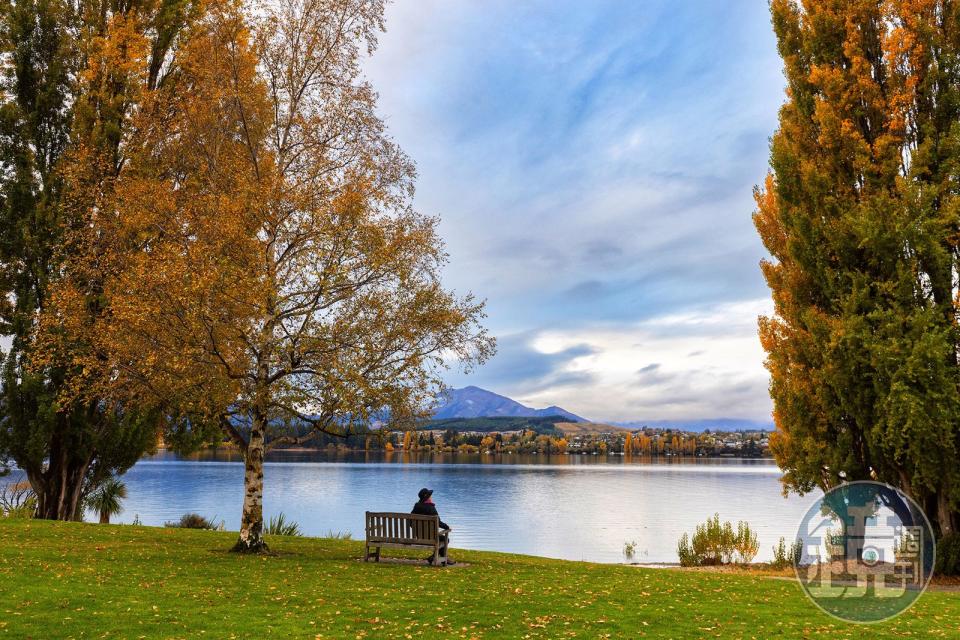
(702, 364)
(592, 165)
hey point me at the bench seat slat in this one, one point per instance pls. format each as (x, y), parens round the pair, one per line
(401, 530)
(402, 545)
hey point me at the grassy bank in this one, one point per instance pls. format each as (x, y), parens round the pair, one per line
(65, 580)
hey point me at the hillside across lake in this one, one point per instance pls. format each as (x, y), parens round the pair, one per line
(474, 402)
(586, 428)
(545, 425)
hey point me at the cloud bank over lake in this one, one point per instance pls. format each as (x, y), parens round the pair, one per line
(592, 164)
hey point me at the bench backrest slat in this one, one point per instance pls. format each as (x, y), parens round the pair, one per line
(402, 528)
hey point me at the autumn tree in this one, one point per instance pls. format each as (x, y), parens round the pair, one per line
(643, 443)
(67, 92)
(860, 215)
(264, 272)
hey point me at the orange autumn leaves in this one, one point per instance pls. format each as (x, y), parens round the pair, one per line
(860, 216)
(256, 256)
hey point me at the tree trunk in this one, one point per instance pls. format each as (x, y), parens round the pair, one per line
(251, 525)
(59, 489)
(104, 517)
(945, 516)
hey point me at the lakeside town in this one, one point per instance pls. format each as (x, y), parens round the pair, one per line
(647, 441)
(644, 442)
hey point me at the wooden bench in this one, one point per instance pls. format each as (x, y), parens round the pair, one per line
(403, 530)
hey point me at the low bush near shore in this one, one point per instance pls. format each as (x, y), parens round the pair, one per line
(716, 542)
(278, 525)
(17, 500)
(785, 556)
(195, 521)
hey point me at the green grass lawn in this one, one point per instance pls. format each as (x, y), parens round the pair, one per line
(66, 580)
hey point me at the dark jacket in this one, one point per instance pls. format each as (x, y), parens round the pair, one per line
(428, 509)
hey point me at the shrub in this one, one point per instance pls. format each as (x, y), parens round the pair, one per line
(630, 550)
(713, 543)
(105, 500)
(780, 559)
(784, 556)
(836, 545)
(280, 526)
(194, 521)
(338, 535)
(746, 544)
(24, 511)
(17, 501)
(716, 542)
(685, 552)
(948, 555)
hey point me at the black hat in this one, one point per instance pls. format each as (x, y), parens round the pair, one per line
(425, 493)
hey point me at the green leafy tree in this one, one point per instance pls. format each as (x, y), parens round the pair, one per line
(64, 100)
(860, 214)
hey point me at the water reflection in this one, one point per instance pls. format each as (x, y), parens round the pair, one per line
(573, 507)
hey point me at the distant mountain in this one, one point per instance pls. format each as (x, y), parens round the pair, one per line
(714, 424)
(474, 402)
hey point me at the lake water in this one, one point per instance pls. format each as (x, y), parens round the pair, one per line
(572, 507)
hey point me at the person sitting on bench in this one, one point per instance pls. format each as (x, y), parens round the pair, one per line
(425, 507)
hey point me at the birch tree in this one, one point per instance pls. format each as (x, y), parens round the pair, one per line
(264, 271)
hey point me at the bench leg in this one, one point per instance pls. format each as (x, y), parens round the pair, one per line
(443, 544)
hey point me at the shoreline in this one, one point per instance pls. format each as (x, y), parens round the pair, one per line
(400, 452)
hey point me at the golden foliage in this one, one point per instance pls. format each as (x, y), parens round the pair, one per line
(859, 214)
(257, 256)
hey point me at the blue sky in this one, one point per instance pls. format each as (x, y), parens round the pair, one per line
(592, 164)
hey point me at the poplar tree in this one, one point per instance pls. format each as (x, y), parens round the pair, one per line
(860, 215)
(59, 101)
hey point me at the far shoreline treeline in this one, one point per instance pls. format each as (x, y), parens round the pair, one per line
(548, 435)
